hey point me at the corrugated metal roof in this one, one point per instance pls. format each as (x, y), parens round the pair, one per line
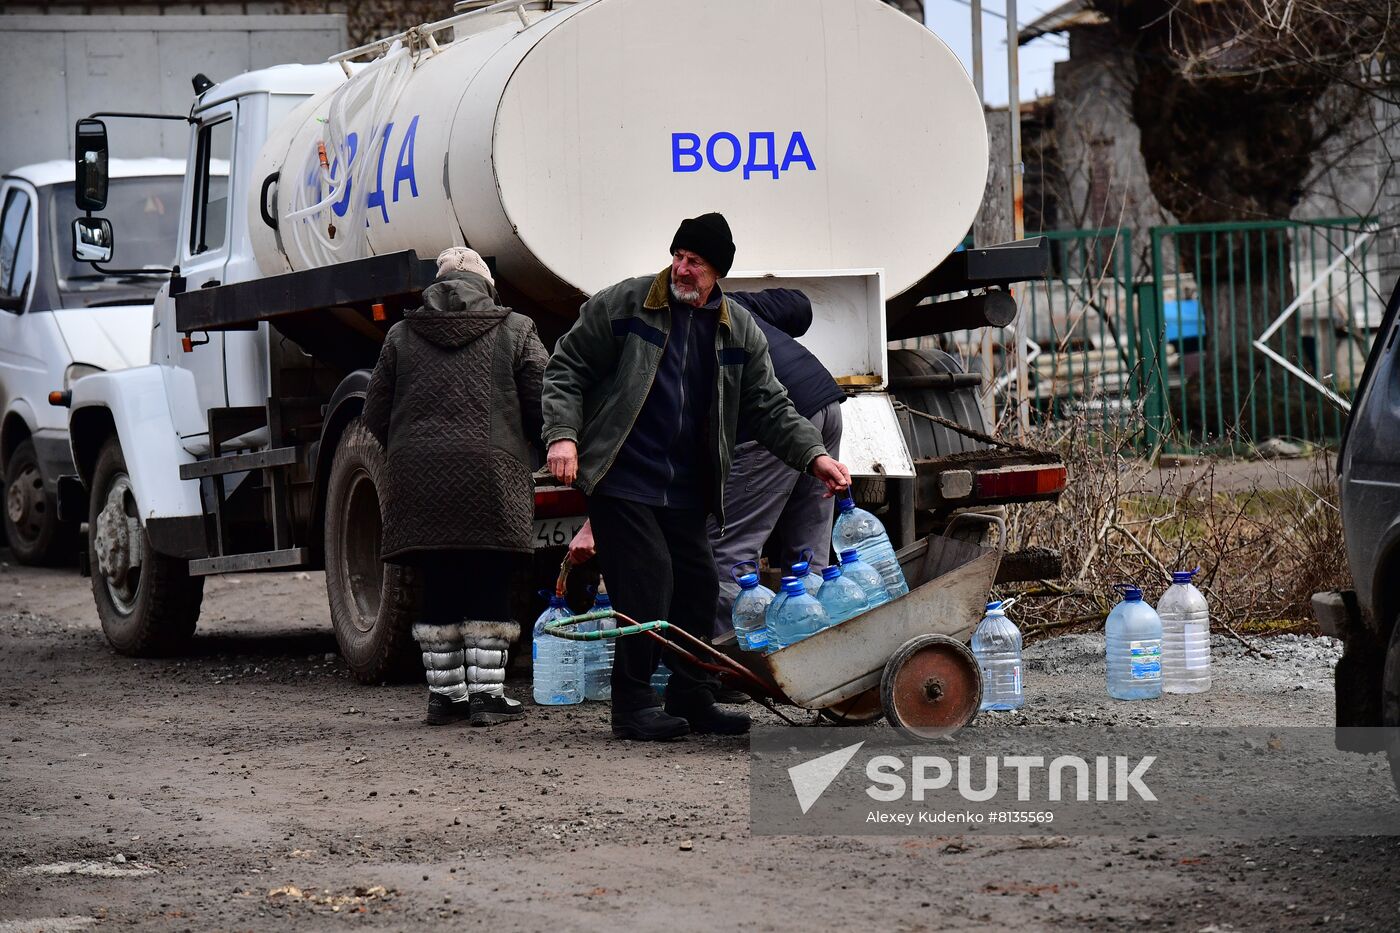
(1069, 15)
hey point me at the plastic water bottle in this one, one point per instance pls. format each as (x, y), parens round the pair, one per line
(997, 646)
(857, 528)
(802, 570)
(800, 616)
(598, 655)
(869, 579)
(770, 615)
(1134, 649)
(660, 678)
(750, 609)
(1185, 636)
(558, 662)
(840, 596)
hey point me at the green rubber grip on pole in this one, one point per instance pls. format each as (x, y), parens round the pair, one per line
(556, 629)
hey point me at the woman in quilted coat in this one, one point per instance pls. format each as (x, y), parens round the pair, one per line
(455, 401)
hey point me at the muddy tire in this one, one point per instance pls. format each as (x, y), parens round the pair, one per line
(1390, 705)
(148, 603)
(373, 604)
(35, 534)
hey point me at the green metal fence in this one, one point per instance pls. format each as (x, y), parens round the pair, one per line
(1264, 330)
(1081, 336)
(1213, 337)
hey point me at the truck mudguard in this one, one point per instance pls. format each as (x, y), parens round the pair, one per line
(137, 404)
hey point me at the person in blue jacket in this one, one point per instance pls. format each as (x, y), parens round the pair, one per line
(764, 497)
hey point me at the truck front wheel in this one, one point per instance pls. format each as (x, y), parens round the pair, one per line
(148, 602)
(373, 604)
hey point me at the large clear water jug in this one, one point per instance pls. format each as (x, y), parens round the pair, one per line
(598, 655)
(997, 647)
(1185, 636)
(750, 615)
(866, 576)
(800, 616)
(770, 615)
(557, 662)
(840, 596)
(857, 528)
(660, 678)
(1134, 649)
(802, 570)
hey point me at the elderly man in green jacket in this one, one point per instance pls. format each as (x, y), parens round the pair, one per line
(642, 401)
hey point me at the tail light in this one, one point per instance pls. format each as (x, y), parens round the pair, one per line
(1032, 481)
(559, 502)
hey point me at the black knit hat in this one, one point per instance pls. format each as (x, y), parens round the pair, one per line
(707, 235)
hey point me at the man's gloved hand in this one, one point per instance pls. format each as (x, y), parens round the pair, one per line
(581, 548)
(563, 461)
(832, 472)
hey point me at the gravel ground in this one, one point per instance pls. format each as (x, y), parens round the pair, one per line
(1065, 684)
(251, 786)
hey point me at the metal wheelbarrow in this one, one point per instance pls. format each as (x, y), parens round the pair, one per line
(906, 660)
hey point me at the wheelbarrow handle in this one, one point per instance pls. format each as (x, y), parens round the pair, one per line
(556, 628)
(633, 627)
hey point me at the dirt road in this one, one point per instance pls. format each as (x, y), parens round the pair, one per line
(252, 786)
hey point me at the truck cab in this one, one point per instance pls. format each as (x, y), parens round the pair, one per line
(238, 447)
(61, 319)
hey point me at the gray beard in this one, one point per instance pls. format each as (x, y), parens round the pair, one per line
(684, 296)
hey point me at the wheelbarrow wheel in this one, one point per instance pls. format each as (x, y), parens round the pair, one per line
(931, 687)
(860, 710)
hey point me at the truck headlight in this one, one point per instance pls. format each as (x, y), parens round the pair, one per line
(76, 371)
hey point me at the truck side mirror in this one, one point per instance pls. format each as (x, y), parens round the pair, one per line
(92, 239)
(90, 168)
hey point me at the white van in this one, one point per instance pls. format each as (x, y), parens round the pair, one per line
(61, 319)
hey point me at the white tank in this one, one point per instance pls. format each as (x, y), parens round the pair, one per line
(833, 134)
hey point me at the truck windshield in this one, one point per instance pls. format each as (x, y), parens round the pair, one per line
(145, 213)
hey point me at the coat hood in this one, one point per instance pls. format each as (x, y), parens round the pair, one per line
(457, 309)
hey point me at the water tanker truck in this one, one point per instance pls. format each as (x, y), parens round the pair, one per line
(564, 142)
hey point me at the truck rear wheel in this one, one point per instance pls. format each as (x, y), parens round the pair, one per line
(148, 602)
(32, 527)
(373, 604)
(1390, 704)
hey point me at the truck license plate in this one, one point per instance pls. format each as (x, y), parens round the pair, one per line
(557, 532)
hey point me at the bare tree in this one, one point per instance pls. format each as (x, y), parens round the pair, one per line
(1234, 100)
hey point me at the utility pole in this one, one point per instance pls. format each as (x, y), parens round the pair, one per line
(1018, 219)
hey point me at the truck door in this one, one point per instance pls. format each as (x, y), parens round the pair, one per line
(204, 247)
(22, 369)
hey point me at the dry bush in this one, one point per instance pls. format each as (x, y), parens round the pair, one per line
(1265, 540)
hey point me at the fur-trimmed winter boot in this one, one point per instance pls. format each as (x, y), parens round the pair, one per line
(443, 660)
(485, 655)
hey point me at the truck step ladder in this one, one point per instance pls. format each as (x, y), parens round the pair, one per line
(226, 424)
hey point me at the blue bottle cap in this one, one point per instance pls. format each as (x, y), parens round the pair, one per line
(556, 602)
(831, 573)
(748, 581)
(1184, 576)
(602, 599)
(793, 586)
(846, 504)
(801, 568)
(1132, 594)
(994, 606)
(849, 555)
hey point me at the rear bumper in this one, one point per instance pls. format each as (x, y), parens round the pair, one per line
(1360, 673)
(1337, 612)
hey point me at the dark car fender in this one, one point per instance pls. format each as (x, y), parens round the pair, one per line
(345, 405)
